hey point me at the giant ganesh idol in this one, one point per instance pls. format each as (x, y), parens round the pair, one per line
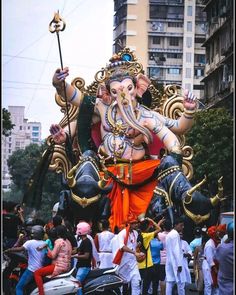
(110, 142)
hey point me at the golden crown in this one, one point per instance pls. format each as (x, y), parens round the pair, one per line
(122, 64)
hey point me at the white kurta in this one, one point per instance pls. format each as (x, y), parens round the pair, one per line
(186, 250)
(208, 262)
(105, 250)
(128, 266)
(114, 246)
(174, 258)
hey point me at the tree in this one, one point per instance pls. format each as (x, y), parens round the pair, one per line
(22, 164)
(211, 138)
(6, 122)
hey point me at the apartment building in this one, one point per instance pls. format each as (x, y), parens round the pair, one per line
(166, 36)
(219, 81)
(23, 134)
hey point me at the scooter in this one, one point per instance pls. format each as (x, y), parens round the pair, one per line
(62, 284)
(98, 281)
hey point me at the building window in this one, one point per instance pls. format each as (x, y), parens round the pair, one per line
(189, 42)
(189, 10)
(188, 57)
(9, 145)
(189, 26)
(198, 87)
(35, 134)
(199, 72)
(174, 55)
(174, 71)
(188, 73)
(28, 127)
(20, 127)
(35, 128)
(154, 72)
(175, 25)
(156, 40)
(200, 58)
(174, 41)
(35, 139)
(9, 151)
(199, 40)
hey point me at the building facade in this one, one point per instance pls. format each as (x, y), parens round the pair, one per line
(219, 81)
(166, 36)
(23, 134)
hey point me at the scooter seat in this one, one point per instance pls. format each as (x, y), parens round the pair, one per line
(63, 275)
(94, 273)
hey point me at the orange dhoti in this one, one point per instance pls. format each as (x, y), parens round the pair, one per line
(126, 201)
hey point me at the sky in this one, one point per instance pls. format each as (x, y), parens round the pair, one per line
(30, 52)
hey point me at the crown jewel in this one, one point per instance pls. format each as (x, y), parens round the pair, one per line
(122, 64)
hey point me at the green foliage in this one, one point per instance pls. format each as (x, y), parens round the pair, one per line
(211, 138)
(14, 194)
(6, 122)
(22, 164)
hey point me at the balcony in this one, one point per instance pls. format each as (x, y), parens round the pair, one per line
(167, 2)
(166, 50)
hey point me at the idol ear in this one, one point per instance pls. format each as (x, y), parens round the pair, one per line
(142, 84)
(103, 93)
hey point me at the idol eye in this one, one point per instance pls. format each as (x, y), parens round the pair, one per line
(113, 91)
(130, 87)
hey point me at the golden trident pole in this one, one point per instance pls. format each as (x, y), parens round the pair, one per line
(57, 25)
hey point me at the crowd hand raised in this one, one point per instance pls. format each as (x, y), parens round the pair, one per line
(190, 100)
(59, 76)
(58, 133)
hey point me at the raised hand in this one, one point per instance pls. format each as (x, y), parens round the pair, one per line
(58, 133)
(190, 100)
(59, 77)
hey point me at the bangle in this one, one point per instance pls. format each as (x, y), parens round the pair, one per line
(189, 112)
(74, 95)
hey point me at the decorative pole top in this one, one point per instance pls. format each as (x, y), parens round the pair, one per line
(57, 24)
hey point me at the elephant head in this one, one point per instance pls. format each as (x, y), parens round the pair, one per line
(176, 195)
(85, 182)
(121, 91)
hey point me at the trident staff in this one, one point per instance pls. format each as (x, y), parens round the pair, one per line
(57, 25)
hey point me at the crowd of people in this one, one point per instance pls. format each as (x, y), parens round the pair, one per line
(152, 258)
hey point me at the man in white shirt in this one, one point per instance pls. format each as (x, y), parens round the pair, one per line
(35, 257)
(174, 259)
(103, 244)
(128, 268)
(209, 265)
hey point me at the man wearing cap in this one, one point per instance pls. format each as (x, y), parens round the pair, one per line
(221, 232)
(209, 265)
(84, 253)
(128, 268)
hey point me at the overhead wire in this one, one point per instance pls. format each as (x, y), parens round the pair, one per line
(35, 41)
